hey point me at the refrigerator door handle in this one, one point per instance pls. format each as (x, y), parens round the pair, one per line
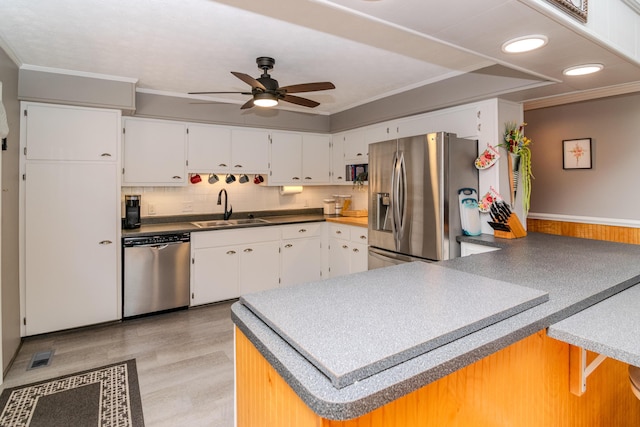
(402, 192)
(395, 213)
(399, 189)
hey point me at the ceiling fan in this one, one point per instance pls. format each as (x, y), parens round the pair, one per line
(266, 92)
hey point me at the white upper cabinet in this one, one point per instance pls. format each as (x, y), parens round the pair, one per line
(356, 148)
(337, 160)
(55, 132)
(316, 159)
(378, 133)
(286, 158)
(209, 148)
(249, 151)
(154, 152)
(300, 158)
(464, 121)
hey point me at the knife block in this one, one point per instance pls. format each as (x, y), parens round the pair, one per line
(516, 227)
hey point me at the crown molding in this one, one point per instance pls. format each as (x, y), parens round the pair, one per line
(586, 95)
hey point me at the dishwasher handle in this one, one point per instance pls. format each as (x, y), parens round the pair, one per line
(159, 247)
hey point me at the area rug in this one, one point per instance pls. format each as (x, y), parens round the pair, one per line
(107, 396)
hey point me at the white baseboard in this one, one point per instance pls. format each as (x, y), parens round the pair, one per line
(586, 219)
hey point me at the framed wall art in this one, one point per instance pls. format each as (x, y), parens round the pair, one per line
(576, 153)
(574, 8)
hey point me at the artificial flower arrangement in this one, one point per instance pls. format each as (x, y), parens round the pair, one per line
(518, 146)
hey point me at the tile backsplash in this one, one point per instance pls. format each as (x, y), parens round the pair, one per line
(201, 198)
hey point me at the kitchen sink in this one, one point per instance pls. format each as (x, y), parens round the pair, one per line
(229, 222)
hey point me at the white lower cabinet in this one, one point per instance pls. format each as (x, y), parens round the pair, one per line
(228, 263)
(214, 273)
(259, 266)
(348, 251)
(71, 245)
(301, 253)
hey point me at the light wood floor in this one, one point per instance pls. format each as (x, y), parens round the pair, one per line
(184, 360)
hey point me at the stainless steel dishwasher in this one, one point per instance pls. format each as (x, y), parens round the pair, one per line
(155, 273)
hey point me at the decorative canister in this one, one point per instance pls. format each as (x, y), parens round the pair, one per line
(329, 206)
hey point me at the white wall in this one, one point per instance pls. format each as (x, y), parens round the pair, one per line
(248, 197)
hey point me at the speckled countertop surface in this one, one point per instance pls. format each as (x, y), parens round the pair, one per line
(576, 273)
(409, 304)
(588, 329)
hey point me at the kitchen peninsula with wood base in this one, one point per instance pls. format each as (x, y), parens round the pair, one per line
(380, 348)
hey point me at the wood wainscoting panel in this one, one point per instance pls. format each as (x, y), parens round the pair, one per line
(611, 233)
(263, 398)
(523, 385)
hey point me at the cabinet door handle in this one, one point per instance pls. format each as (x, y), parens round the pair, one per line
(231, 252)
(224, 165)
(248, 250)
(288, 245)
(355, 250)
(363, 237)
(339, 177)
(345, 247)
(308, 178)
(237, 166)
(105, 242)
(302, 230)
(338, 232)
(105, 155)
(295, 178)
(359, 154)
(177, 177)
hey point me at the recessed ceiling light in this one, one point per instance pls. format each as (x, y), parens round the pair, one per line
(524, 44)
(581, 70)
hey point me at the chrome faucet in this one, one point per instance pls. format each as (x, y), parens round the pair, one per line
(227, 213)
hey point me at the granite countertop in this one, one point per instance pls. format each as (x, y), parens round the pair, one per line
(575, 273)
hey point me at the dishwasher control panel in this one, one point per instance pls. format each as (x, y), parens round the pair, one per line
(160, 239)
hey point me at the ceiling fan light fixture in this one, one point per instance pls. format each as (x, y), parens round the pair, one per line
(524, 44)
(581, 70)
(264, 100)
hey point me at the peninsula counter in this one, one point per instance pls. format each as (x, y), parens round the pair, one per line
(503, 373)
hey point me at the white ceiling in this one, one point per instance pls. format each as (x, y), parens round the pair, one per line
(368, 49)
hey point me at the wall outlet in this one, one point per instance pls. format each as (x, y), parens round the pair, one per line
(151, 209)
(187, 206)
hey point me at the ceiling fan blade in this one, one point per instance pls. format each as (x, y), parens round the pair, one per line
(249, 80)
(308, 87)
(206, 93)
(300, 101)
(247, 104)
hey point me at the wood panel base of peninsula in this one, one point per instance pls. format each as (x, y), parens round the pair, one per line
(524, 385)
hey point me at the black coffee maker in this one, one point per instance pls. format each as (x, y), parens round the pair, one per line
(131, 211)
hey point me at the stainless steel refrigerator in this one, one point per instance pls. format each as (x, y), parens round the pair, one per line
(414, 213)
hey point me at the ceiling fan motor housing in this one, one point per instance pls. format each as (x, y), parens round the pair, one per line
(265, 63)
